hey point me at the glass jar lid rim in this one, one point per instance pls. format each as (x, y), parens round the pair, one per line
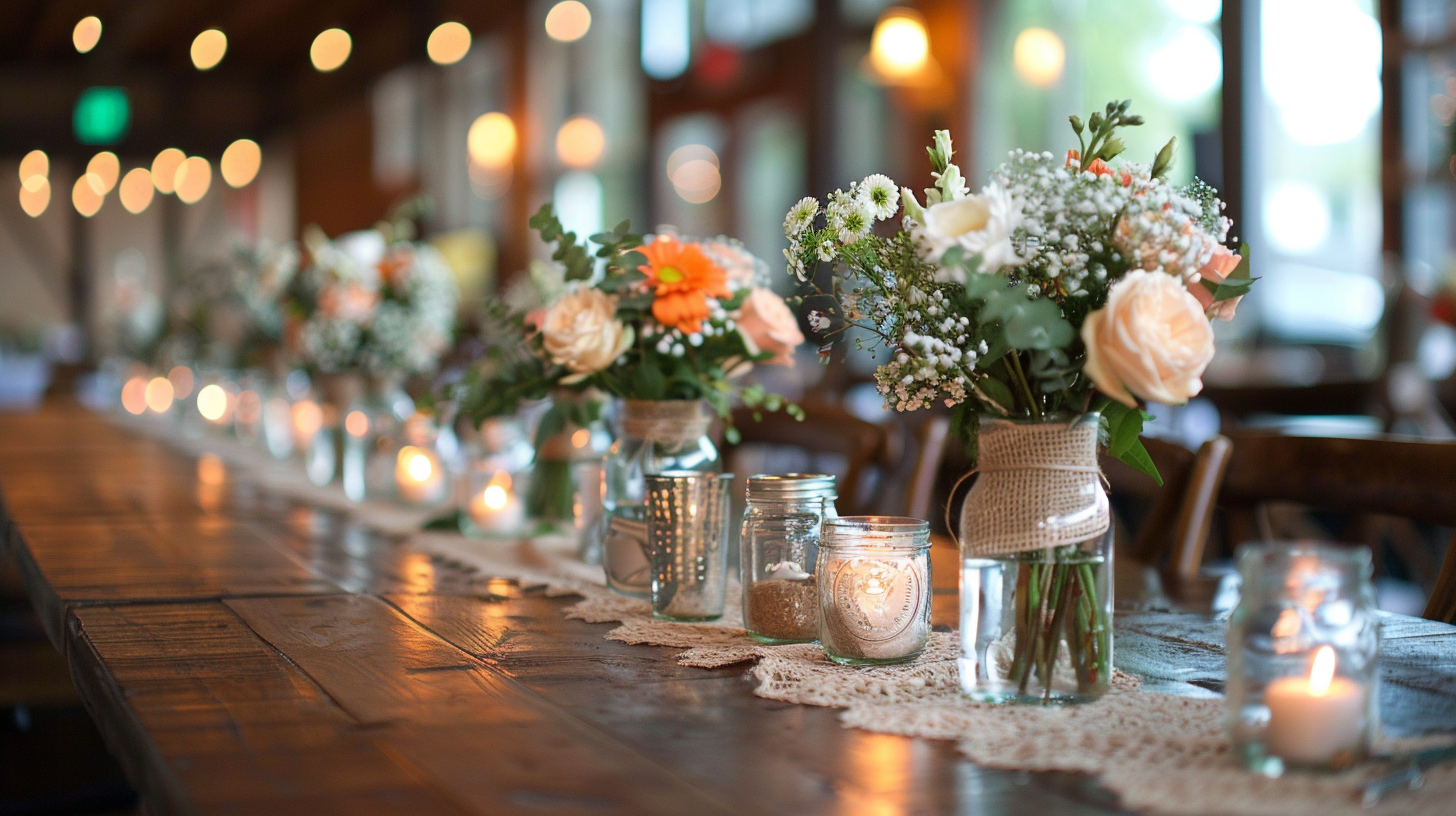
(790, 485)
(875, 529)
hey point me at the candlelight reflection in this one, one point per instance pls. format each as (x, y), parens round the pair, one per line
(880, 763)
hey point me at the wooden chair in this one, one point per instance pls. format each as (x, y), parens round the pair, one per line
(1174, 532)
(1409, 478)
(829, 430)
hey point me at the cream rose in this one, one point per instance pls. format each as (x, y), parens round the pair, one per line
(1151, 341)
(581, 331)
(980, 224)
(767, 324)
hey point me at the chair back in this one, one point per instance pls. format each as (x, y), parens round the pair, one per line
(828, 430)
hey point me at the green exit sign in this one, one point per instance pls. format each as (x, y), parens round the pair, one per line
(102, 116)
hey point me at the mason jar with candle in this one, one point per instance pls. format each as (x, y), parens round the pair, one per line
(498, 479)
(873, 575)
(779, 545)
(1302, 657)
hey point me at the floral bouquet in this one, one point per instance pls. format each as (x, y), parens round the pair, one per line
(1046, 311)
(387, 312)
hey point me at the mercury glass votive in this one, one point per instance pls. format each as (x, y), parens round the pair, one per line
(874, 589)
(1303, 641)
(687, 543)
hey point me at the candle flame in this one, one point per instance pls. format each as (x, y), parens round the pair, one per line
(1322, 672)
(494, 497)
(416, 464)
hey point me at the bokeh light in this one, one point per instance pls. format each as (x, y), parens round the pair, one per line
(136, 190)
(194, 177)
(492, 140)
(330, 49)
(86, 34)
(35, 163)
(208, 49)
(86, 194)
(181, 379)
(899, 47)
(210, 470)
(35, 195)
(356, 423)
(416, 463)
(164, 169)
(694, 172)
(134, 396)
(1038, 57)
(159, 395)
(1187, 66)
(568, 21)
(212, 402)
(240, 163)
(580, 142)
(107, 168)
(448, 43)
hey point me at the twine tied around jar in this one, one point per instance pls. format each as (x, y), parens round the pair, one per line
(668, 422)
(1040, 487)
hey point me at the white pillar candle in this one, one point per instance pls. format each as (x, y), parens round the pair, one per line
(496, 508)
(1314, 720)
(418, 476)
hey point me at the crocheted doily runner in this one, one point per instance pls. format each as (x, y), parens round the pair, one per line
(1158, 752)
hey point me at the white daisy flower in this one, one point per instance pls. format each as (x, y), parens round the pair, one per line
(879, 195)
(801, 216)
(848, 216)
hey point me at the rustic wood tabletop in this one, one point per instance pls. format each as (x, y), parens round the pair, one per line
(246, 653)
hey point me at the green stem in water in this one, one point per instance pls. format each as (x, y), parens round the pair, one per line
(1025, 384)
(1052, 640)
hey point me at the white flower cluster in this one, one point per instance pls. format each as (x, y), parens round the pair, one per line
(935, 357)
(1161, 230)
(848, 214)
(412, 326)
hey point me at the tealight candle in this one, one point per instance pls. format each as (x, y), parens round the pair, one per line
(496, 508)
(418, 476)
(874, 589)
(1316, 720)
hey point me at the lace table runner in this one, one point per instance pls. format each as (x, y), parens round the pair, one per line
(1158, 752)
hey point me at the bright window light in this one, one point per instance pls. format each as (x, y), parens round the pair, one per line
(1321, 63)
(666, 38)
(1296, 217)
(1188, 66)
(578, 198)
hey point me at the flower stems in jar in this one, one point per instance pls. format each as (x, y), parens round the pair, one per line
(1058, 601)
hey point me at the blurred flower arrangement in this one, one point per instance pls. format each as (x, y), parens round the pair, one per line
(388, 313)
(668, 319)
(1061, 280)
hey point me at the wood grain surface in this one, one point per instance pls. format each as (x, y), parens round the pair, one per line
(247, 654)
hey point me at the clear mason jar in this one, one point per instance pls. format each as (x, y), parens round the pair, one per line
(656, 436)
(874, 583)
(1302, 687)
(498, 476)
(1036, 572)
(778, 548)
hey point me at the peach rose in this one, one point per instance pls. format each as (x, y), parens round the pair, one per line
(1150, 341)
(767, 324)
(1216, 270)
(352, 301)
(581, 331)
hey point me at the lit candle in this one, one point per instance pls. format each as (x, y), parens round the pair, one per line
(1316, 720)
(496, 509)
(418, 476)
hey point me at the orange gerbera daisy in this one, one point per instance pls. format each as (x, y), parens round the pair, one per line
(682, 278)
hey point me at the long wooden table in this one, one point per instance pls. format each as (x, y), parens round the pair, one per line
(243, 653)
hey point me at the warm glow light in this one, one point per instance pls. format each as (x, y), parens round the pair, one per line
(181, 379)
(900, 48)
(330, 49)
(580, 438)
(356, 423)
(212, 402)
(35, 195)
(240, 162)
(210, 470)
(693, 171)
(492, 140)
(134, 396)
(580, 142)
(86, 34)
(35, 163)
(86, 194)
(418, 466)
(448, 43)
(308, 417)
(568, 21)
(194, 176)
(494, 497)
(1322, 672)
(208, 49)
(106, 167)
(164, 169)
(250, 408)
(159, 395)
(136, 190)
(1038, 57)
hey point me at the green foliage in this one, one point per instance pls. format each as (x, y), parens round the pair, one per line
(572, 256)
(1124, 427)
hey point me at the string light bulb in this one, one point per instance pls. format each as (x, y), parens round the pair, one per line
(35, 195)
(136, 190)
(900, 46)
(448, 43)
(330, 49)
(86, 34)
(194, 177)
(1038, 57)
(580, 142)
(208, 49)
(492, 140)
(240, 163)
(568, 21)
(164, 169)
(107, 168)
(35, 163)
(86, 194)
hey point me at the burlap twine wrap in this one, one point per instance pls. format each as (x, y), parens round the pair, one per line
(1039, 486)
(667, 422)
